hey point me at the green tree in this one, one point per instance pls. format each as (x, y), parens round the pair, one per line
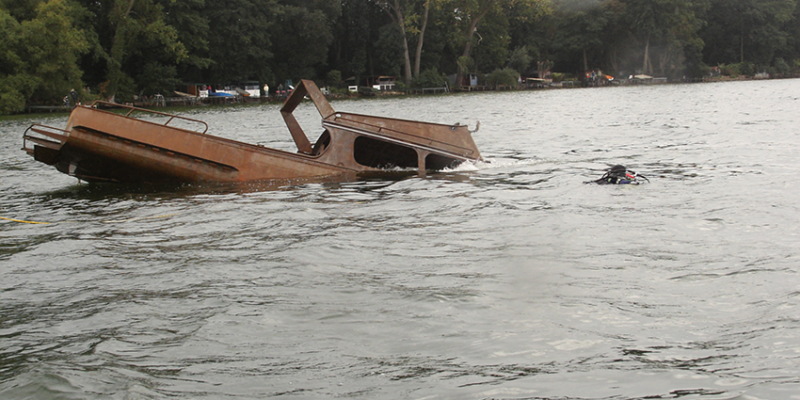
(528, 24)
(520, 59)
(16, 85)
(189, 20)
(135, 50)
(302, 38)
(430, 78)
(21, 10)
(491, 50)
(39, 57)
(53, 47)
(240, 39)
(580, 32)
(355, 32)
(666, 25)
(747, 30)
(396, 10)
(388, 51)
(790, 53)
(426, 7)
(505, 77)
(405, 15)
(470, 13)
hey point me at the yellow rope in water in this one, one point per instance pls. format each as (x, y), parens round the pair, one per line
(114, 221)
(24, 222)
(107, 222)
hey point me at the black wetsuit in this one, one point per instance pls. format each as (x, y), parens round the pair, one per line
(619, 175)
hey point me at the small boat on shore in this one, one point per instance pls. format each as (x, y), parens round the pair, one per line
(135, 147)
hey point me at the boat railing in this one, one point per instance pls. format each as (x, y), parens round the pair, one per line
(132, 109)
(47, 136)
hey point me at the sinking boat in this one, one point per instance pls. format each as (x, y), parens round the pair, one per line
(135, 146)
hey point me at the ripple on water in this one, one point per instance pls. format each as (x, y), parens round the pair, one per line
(508, 278)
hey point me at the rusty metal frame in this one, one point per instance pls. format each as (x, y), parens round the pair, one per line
(131, 109)
(305, 87)
(105, 146)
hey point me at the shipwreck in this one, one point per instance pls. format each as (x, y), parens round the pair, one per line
(99, 145)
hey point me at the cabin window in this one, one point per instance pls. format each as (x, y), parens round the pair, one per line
(381, 154)
(438, 162)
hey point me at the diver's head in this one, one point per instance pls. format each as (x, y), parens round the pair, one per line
(619, 171)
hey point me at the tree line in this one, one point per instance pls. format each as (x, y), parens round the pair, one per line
(119, 49)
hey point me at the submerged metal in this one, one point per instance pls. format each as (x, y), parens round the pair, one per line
(103, 146)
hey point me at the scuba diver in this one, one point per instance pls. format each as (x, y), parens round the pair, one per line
(619, 175)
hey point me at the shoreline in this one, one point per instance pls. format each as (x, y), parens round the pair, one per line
(182, 103)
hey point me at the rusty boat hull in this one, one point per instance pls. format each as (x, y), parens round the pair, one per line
(140, 147)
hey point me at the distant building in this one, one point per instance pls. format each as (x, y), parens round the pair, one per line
(383, 83)
(249, 89)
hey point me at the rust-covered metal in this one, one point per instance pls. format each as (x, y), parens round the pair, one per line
(104, 146)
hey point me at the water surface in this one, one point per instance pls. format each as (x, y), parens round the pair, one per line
(508, 279)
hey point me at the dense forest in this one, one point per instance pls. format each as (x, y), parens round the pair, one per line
(118, 49)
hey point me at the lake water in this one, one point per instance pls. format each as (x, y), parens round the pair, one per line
(509, 279)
